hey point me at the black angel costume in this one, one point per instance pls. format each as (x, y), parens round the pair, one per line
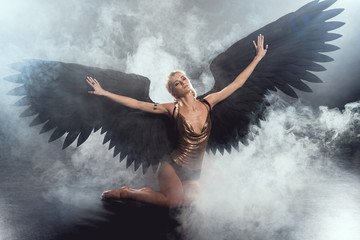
(57, 94)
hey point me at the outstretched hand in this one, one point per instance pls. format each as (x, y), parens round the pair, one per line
(96, 86)
(259, 46)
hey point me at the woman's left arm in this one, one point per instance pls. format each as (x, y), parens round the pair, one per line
(239, 81)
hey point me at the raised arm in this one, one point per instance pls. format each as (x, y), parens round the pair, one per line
(164, 108)
(239, 81)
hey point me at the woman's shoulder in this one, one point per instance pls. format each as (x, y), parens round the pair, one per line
(170, 107)
(206, 102)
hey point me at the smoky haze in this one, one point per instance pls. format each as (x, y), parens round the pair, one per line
(290, 181)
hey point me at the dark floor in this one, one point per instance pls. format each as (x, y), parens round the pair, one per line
(26, 214)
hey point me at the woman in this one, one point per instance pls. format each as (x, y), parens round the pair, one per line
(178, 177)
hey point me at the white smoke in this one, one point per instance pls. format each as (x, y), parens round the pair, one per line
(285, 184)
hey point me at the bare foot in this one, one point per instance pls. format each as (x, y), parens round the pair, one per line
(120, 193)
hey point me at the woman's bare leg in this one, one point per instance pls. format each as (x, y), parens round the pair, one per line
(170, 194)
(191, 190)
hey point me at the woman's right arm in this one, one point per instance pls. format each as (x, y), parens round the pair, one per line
(164, 108)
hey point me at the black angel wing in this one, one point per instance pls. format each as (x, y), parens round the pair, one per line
(58, 94)
(296, 41)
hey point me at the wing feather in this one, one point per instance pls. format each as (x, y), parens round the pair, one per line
(297, 43)
(57, 94)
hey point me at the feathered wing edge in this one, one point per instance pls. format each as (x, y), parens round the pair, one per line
(57, 94)
(297, 42)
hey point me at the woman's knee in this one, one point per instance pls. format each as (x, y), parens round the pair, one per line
(174, 201)
(191, 192)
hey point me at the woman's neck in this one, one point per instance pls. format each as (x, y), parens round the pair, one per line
(188, 101)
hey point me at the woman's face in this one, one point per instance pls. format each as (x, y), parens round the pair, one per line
(180, 85)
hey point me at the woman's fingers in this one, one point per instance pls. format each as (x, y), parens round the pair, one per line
(259, 46)
(89, 82)
(95, 85)
(92, 81)
(260, 42)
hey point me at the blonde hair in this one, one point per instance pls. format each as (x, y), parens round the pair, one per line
(169, 86)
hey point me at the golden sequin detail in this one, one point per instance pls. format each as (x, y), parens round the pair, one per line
(191, 145)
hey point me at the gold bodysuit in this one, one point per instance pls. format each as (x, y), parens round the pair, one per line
(191, 145)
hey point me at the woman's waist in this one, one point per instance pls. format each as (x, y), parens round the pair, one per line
(189, 158)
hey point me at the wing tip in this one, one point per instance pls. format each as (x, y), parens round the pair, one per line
(18, 91)
(18, 66)
(28, 112)
(14, 78)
